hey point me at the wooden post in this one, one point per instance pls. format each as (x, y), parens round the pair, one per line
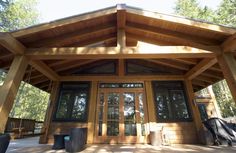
(150, 105)
(213, 98)
(48, 116)
(92, 114)
(227, 63)
(10, 87)
(195, 112)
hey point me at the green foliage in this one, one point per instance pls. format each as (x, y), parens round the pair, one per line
(192, 9)
(16, 14)
(224, 99)
(30, 103)
(226, 15)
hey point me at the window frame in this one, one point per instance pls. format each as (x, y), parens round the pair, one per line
(182, 88)
(71, 104)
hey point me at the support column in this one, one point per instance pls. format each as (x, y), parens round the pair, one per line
(91, 113)
(49, 113)
(150, 105)
(227, 63)
(195, 112)
(10, 87)
(213, 98)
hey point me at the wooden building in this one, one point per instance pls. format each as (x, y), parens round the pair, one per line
(120, 71)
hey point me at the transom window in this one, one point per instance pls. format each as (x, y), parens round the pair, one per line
(121, 85)
(170, 101)
(72, 103)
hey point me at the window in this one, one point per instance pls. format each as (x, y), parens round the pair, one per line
(203, 111)
(170, 101)
(72, 102)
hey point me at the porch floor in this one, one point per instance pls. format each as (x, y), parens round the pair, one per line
(29, 145)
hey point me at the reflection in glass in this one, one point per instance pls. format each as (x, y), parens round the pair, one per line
(179, 104)
(63, 106)
(113, 114)
(100, 114)
(129, 114)
(129, 106)
(79, 107)
(130, 128)
(141, 111)
(112, 128)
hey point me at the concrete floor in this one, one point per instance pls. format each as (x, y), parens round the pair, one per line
(30, 145)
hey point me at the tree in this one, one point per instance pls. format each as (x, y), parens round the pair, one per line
(225, 14)
(16, 14)
(30, 101)
(193, 10)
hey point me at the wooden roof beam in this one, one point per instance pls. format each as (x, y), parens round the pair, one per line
(63, 22)
(170, 63)
(229, 45)
(171, 34)
(179, 40)
(44, 69)
(11, 44)
(78, 35)
(180, 20)
(200, 67)
(112, 78)
(143, 51)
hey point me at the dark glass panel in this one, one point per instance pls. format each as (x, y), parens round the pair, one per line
(64, 106)
(72, 102)
(112, 128)
(121, 85)
(203, 111)
(170, 101)
(130, 128)
(179, 104)
(100, 68)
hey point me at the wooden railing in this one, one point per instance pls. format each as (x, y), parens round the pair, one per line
(22, 127)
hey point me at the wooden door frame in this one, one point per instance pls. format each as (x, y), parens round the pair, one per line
(122, 138)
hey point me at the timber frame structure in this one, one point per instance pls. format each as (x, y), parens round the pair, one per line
(196, 53)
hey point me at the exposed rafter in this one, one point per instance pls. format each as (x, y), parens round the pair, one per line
(170, 63)
(180, 20)
(75, 36)
(11, 44)
(43, 68)
(200, 67)
(64, 22)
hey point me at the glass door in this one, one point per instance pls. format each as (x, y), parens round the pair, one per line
(121, 116)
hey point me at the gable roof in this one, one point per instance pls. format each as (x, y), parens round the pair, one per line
(99, 28)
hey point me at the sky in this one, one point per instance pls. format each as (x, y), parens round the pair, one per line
(55, 9)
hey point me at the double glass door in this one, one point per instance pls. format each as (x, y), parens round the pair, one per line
(121, 116)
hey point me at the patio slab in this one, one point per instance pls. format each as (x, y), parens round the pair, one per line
(29, 145)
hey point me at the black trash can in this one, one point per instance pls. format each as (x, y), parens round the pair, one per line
(77, 140)
(156, 138)
(4, 142)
